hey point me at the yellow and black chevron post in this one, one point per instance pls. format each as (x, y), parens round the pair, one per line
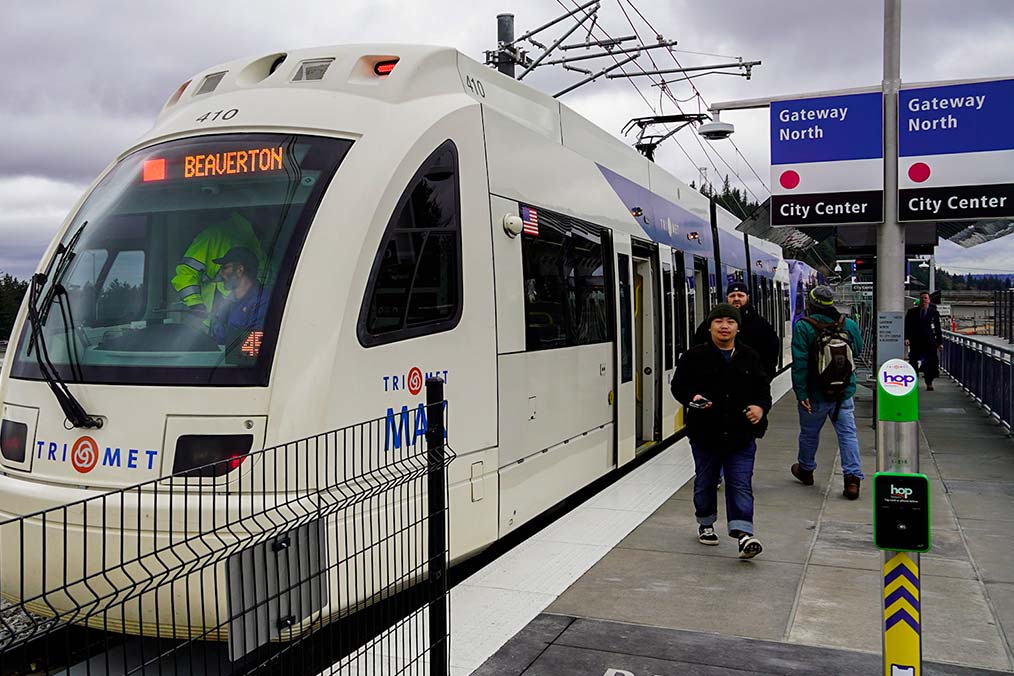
(902, 616)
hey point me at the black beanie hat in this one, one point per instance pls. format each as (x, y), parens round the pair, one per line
(724, 310)
(737, 286)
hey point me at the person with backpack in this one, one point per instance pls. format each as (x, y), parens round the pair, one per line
(824, 346)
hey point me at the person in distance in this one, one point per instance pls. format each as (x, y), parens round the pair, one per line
(755, 331)
(727, 395)
(924, 338)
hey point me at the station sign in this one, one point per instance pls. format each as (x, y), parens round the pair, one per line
(827, 160)
(956, 152)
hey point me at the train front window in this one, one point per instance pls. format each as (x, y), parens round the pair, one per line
(177, 265)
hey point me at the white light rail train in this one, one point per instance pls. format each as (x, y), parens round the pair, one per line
(389, 212)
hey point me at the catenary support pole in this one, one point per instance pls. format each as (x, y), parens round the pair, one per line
(504, 38)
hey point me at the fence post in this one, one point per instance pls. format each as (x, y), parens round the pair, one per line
(437, 552)
(1010, 316)
(997, 317)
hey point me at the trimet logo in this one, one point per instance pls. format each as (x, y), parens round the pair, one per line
(901, 492)
(411, 382)
(84, 455)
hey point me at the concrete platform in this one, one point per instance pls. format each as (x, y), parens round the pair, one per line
(660, 603)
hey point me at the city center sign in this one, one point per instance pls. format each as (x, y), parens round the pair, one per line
(956, 152)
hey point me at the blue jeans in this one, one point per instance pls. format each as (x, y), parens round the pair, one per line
(738, 466)
(810, 425)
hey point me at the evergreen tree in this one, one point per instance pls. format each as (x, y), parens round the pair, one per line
(12, 291)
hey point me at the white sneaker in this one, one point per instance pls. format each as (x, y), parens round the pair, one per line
(749, 547)
(706, 535)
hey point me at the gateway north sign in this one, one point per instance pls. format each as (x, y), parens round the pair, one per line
(827, 160)
(956, 152)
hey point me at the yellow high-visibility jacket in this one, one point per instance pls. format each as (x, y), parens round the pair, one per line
(196, 277)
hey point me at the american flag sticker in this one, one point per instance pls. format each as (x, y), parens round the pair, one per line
(530, 217)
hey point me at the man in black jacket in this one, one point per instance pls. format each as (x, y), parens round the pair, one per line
(727, 395)
(924, 338)
(754, 330)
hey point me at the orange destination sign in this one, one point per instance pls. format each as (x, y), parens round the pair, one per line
(232, 162)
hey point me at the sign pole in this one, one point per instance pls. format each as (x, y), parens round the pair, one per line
(890, 295)
(897, 434)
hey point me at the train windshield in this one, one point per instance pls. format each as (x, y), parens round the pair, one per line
(176, 268)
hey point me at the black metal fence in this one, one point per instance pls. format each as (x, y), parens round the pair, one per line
(324, 555)
(984, 370)
(1003, 314)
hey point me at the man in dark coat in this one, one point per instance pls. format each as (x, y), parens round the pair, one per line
(727, 395)
(924, 338)
(754, 330)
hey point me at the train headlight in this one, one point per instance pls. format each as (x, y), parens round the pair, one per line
(13, 440)
(210, 455)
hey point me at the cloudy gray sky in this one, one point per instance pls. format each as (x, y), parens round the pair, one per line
(83, 79)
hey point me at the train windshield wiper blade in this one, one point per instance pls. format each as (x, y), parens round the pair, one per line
(38, 312)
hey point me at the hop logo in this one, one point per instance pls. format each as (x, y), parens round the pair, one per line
(84, 455)
(415, 380)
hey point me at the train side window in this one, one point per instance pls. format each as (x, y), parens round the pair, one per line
(565, 295)
(415, 287)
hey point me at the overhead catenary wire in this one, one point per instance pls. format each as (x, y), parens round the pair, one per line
(667, 91)
(645, 99)
(672, 53)
(704, 148)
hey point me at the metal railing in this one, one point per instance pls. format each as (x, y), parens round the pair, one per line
(324, 555)
(984, 370)
(1003, 314)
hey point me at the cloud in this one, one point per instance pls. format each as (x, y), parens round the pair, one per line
(992, 257)
(33, 210)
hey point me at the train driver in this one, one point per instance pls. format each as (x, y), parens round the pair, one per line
(197, 279)
(246, 306)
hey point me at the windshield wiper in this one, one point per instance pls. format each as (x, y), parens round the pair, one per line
(38, 312)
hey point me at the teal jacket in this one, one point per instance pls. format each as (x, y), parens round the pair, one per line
(802, 343)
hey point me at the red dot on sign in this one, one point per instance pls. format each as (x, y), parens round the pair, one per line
(789, 179)
(919, 172)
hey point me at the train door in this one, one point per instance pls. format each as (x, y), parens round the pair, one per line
(702, 292)
(647, 310)
(778, 321)
(625, 396)
(683, 325)
(667, 407)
